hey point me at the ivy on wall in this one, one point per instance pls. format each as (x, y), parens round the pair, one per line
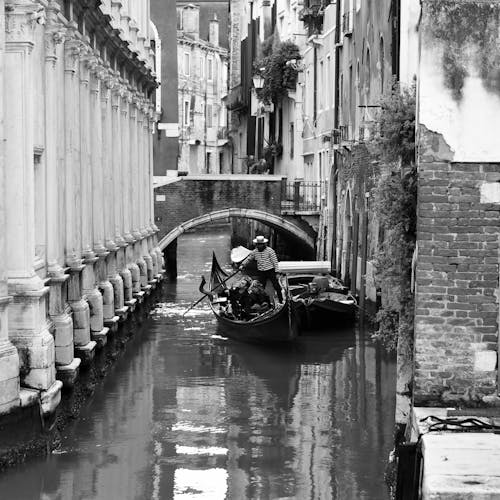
(395, 206)
(279, 77)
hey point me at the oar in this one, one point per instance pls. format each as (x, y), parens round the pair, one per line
(221, 283)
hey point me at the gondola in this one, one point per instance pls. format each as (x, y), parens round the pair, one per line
(321, 300)
(277, 324)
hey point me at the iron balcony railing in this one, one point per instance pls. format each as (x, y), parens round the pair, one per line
(303, 196)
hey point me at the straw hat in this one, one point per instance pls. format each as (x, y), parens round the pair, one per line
(260, 239)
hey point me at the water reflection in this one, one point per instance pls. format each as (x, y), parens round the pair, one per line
(186, 414)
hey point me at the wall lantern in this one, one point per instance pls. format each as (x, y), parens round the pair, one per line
(258, 81)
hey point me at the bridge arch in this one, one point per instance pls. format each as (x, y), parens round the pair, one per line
(265, 217)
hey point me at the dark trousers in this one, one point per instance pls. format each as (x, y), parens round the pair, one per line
(270, 275)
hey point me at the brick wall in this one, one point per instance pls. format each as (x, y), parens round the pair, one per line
(187, 199)
(457, 284)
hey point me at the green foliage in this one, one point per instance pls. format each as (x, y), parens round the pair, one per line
(395, 205)
(273, 148)
(394, 130)
(278, 76)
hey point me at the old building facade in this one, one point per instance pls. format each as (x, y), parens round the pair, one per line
(79, 246)
(203, 70)
(166, 145)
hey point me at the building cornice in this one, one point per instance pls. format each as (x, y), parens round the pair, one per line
(108, 40)
(203, 44)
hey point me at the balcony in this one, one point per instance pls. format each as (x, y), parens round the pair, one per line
(303, 197)
(312, 16)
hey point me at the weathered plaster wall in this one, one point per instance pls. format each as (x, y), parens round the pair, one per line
(410, 15)
(459, 77)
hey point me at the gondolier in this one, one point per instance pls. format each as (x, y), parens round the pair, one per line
(259, 324)
(267, 264)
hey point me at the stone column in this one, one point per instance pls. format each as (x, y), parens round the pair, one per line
(114, 189)
(135, 268)
(84, 345)
(59, 310)
(125, 199)
(106, 259)
(91, 294)
(96, 255)
(144, 202)
(9, 359)
(159, 253)
(149, 190)
(27, 315)
(143, 261)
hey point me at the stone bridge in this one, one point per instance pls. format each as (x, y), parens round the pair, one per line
(183, 203)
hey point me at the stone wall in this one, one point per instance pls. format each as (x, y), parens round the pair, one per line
(181, 201)
(456, 337)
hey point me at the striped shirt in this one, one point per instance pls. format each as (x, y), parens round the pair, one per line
(266, 260)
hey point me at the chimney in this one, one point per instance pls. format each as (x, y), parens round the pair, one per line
(191, 20)
(213, 31)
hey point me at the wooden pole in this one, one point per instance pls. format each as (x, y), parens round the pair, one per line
(364, 257)
(355, 242)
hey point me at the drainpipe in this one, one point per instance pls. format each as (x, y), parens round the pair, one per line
(315, 86)
(336, 127)
(207, 166)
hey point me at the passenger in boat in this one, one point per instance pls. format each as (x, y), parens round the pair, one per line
(239, 298)
(267, 264)
(260, 300)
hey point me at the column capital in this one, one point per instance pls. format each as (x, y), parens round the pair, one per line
(140, 114)
(145, 106)
(55, 31)
(74, 48)
(105, 92)
(97, 68)
(118, 92)
(137, 99)
(111, 80)
(86, 63)
(21, 19)
(53, 37)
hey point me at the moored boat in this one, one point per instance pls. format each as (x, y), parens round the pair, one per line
(319, 298)
(278, 323)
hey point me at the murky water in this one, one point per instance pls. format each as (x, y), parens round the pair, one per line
(185, 414)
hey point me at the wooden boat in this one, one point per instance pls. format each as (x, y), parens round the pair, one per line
(320, 299)
(277, 324)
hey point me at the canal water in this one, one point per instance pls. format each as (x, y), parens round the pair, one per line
(185, 414)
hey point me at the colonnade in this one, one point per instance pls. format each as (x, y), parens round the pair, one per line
(79, 248)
